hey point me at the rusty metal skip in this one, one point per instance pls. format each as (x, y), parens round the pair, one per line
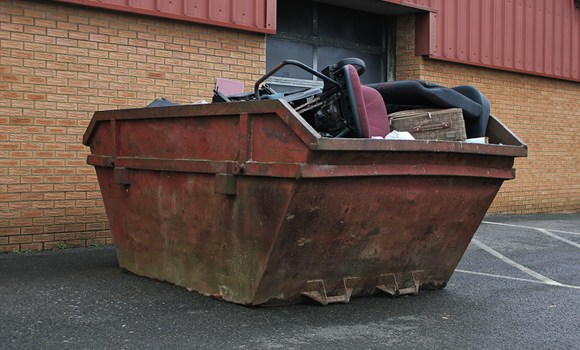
(245, 202)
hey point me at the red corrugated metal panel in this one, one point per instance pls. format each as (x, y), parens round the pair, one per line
(532, 36)
(252, 15)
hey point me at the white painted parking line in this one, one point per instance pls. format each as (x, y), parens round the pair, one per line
(520, 267)
(515, 278)
(546, 232)
(530, 227)
(499, 276)
(538, 277)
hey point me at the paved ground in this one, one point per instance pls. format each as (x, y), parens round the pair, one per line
(518, 286)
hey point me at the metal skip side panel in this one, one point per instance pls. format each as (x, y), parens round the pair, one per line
(364, 228)
(173, 227)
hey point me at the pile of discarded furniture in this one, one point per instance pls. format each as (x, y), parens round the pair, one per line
(346, 108)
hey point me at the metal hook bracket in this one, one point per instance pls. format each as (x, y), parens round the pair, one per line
(316, 290)
(388, 283)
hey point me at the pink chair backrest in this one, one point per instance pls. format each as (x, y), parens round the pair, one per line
(371, 107)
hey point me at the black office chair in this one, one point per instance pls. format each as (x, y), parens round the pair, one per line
(413, 94)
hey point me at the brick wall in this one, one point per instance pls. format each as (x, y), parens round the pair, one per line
(59, 64)
(543, 112)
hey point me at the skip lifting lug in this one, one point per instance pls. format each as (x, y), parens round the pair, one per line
(388, 283)
(316, 290)
(227, 183)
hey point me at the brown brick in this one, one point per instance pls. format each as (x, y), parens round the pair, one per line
(64, 236)
(104, 234)
(76, 211)
(51, 245)
(42, 205)
(9, 248)
(53, 228)
(65, 220)
(64, 187)
(74, 227)
(19, 206)
(99, 241)
(12, 27)
(31, 246)
(64, 204)
(20, 239)
(31, 230)
(9, 197)
(20, 171)
(85, 235)
(31, 196)
(75, 243)
(54, 212)
(31, 213)
(9, 231)
(95, 226)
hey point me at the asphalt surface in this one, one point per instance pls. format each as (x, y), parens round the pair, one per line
(517, 286)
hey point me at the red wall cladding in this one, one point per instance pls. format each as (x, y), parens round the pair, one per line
(253, 15)
(533, 36)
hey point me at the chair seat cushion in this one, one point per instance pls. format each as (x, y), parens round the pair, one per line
(377, 122)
